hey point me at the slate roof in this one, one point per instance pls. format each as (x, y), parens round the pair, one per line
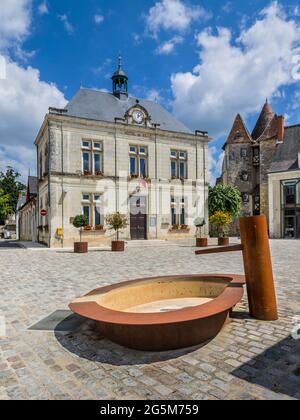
(265, 118)
(21, 202)
(286, 156)
(32, 185)
(101, 106)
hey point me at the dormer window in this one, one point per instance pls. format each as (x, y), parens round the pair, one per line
(238, 135)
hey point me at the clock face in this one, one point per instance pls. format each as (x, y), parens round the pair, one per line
(138, 117)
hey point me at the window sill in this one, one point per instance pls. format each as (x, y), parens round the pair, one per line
(180, 230)
(91, 175)
(94, 232)
(178, 179)
(143, 178)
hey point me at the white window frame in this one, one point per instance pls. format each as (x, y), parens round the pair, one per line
(92, 203)
(179, 156)
(92, 151)
(138, 155)
(178, 203)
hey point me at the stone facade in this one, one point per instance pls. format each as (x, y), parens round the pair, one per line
(250, 158)
(64, 186)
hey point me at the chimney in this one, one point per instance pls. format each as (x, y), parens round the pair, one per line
(280, 120)
(20, 195)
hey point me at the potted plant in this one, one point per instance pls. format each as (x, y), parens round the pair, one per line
(117, 222)
(200, 241)
(222, 221)
(225, 198)
(80, 222)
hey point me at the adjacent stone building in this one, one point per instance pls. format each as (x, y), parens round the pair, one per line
(108, 152)
(259, 165)
(27, 217)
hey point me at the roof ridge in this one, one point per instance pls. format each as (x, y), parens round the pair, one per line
(292, 126)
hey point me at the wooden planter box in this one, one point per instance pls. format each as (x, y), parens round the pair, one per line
(81, 247)
(201, 242)
(118, 246)
(223, 241)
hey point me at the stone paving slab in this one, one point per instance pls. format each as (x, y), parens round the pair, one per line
(249, 360)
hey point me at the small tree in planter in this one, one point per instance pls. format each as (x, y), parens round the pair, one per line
(225, 198)
(80, 222)
(222, 221)
(117, 222)
(200, 241)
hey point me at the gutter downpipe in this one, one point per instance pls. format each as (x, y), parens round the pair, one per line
(116, 163)
(62, 185)
(156, 179)
(49, 186)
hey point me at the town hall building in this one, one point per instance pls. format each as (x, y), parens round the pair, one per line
(109, 152)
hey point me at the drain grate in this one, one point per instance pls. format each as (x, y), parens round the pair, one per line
(59, 321)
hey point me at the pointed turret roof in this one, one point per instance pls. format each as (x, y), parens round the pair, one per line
(264, 120)
(239, 132)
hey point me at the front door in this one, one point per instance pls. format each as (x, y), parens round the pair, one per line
(138, 218)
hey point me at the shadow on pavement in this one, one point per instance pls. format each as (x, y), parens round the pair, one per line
(87, 343)
(277, 369)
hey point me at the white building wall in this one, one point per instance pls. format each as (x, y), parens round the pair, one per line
(66, 193)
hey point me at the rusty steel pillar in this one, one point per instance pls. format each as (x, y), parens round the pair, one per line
(258, 268)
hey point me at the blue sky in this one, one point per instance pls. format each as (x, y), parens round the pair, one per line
(204, 60)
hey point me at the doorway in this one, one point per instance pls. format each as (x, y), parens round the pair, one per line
(138, 218)
(291, 209)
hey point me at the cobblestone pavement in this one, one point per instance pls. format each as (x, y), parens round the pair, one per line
(248, 360)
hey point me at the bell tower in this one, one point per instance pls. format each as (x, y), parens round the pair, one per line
(120, 82)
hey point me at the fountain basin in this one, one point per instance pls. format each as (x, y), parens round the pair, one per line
(163, 313)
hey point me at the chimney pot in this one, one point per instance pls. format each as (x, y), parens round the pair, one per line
(281, 121)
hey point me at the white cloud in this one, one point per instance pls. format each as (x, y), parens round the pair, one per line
(154, 95)
(236, 76)
(104, 69)
(67, 24)
(168, 47)
(98, 19)
(215, 163)
(173, 15)
(15, 20)
(24, 97)
(43, 8)
(227, 7)
(24, 100)
(137, 39)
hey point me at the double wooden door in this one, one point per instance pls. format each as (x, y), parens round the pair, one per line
(138, 218)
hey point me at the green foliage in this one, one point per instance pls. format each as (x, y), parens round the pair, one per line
(11, 187)
(5, 207)
(225, 198)
(222, 220)
(117, 222)
(80, 222)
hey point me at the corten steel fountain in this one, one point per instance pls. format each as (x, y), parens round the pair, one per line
(258, 267)
(168, 313)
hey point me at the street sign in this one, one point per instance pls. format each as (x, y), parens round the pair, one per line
(44, 213)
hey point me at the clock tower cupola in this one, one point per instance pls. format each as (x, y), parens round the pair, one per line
(120, 82)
